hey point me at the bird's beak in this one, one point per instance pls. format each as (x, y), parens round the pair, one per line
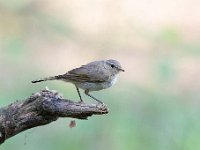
(121, 69)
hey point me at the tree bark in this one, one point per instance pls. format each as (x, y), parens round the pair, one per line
(42, 108)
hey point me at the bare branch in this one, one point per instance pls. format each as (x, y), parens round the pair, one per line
(42, 108)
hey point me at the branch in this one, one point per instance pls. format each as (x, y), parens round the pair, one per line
(42, 108)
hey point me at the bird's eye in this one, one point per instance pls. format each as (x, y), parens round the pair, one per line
(112, 66)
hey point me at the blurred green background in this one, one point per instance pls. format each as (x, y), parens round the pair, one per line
(156, 103)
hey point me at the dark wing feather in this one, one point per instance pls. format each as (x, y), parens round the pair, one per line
(88, 73)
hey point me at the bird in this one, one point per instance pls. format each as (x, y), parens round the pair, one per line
(94, 76)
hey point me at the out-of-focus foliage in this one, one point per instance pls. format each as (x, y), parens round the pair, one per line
(154, 105)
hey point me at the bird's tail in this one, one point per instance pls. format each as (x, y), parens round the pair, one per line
(48, 78)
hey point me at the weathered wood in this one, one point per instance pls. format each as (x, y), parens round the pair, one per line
(42, 108)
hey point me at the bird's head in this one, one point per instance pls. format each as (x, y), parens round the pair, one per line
(113, 66)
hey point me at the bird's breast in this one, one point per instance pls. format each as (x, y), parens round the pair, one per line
(113, 80)
(91, 86)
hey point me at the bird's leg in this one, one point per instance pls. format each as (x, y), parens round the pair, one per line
(87, 93)
(79, 94)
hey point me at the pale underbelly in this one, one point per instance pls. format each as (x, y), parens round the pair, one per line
(93, 86)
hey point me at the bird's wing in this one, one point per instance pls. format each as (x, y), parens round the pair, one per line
(88, 73)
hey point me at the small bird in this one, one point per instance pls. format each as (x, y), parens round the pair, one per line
(94, 76)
